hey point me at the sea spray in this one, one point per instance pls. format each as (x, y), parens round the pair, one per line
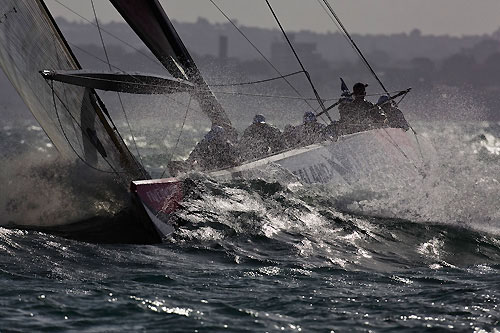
(46, 191)
(461, 189)
(271, 254)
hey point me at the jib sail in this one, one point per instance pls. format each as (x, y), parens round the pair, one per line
(73, 117)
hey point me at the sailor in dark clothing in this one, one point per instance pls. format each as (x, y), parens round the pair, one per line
(214, 151)
(308, 133)
(395, 117)
(289, 137)
(358, 114)
(260, 139)
(332, 130)
(312, 130)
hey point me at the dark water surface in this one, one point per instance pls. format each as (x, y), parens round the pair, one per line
(273, 255)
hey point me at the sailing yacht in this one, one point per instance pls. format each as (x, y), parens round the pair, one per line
(62, 96)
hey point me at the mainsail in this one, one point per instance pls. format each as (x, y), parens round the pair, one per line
(151, 23)
(73, 117)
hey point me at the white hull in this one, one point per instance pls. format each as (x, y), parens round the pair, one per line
(350, 159)
(359, 159)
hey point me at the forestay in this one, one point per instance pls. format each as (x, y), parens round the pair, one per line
(73, 117)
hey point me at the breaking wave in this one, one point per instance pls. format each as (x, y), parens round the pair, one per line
(448, 217)
(452, 209)
(273, 222)
(271, 254)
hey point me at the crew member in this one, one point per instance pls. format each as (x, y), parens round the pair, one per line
(214, 151)
(358, 114)
(395, 117)
(311, 131)
(260, 139)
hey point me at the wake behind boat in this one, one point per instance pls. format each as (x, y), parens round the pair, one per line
(63, 99)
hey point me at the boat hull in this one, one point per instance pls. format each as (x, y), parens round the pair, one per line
(362, 159)
(130, 226)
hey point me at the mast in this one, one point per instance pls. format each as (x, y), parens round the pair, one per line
(150, 22)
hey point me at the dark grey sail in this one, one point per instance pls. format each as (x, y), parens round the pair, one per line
(73, 117)
(151, 23)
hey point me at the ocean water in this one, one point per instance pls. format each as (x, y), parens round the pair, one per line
(268, 254)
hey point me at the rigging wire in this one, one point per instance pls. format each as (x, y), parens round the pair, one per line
(155, 61)
(414, 132)
(221, 85)
(159, 86)
(112, 35)
(69, 142)
(121, 70)
(256, 82)
(179, 136)
(109, 64)
(229, 92)
(216, 91)
(322, 105)
(320, 2)
(212, 85)
(118, 94)
(318, 98)
(260, 52)
(66, 97)
(353, 43)
(229, 20)
(336, 20)
(51, 85)
(273, 96)
(402, 97)
(306, 100)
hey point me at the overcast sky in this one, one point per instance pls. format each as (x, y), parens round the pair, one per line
(453, 17)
